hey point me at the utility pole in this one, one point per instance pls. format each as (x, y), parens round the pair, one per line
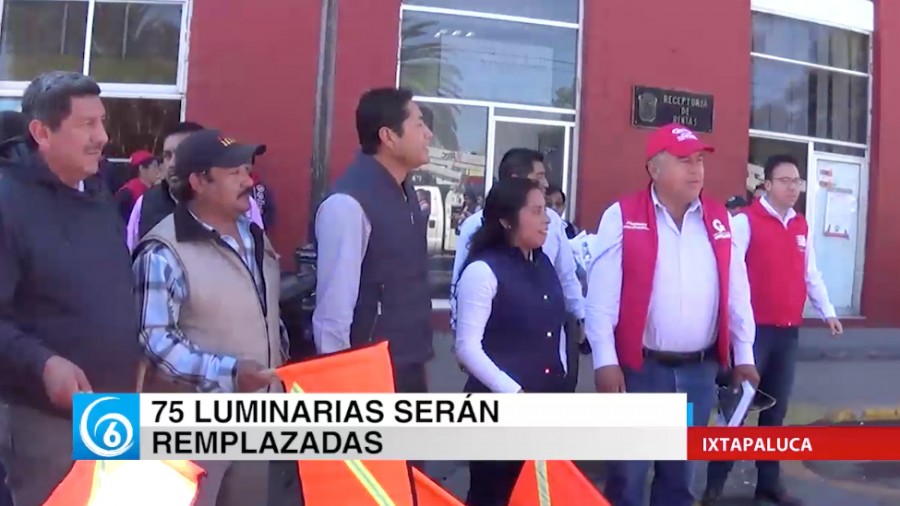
(324, 110)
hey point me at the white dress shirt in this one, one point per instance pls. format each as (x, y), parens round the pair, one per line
(342, 238)
(476, 290)
(684, 302)
(556, 247)
(815, 285)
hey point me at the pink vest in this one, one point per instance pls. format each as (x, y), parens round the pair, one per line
(640, 244)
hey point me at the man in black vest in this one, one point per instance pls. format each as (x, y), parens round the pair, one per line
(372, 262)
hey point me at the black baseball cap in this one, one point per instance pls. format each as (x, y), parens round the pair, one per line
(205, 149)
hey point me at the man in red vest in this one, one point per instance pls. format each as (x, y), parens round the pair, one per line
(782, 269)
(668, 302)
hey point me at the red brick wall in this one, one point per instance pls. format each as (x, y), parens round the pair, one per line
(368, 38)
(703, 47)
(259, 85)
(881, 281)
(252, 73)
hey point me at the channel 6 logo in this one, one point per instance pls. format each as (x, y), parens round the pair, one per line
(105, 427)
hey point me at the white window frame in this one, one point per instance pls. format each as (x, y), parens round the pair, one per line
(175, 91)
(573, 131)
(854, 15)
(573, 128)
(851, 15)
(857, 15)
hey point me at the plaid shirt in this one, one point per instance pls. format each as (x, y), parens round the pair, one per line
(162, 288)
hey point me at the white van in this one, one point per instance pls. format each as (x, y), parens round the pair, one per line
(431, 203)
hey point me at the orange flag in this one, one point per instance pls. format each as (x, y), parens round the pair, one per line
(554, 483)
(326, 483)
(111, 483)
(360, 371)
(430, 493)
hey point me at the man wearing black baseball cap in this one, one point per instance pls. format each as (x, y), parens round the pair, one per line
(203, 326)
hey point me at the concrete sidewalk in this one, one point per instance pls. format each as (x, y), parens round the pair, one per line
(854, 344)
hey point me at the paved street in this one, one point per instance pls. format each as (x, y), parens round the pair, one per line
(860, 371)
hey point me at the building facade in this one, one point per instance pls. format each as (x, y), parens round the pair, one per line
(580, 80)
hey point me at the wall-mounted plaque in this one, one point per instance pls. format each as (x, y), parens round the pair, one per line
(655, 107)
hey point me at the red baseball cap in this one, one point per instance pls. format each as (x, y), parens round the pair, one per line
(139, 157)
(675, 139)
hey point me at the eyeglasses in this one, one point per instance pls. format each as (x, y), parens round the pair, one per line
(790, 181)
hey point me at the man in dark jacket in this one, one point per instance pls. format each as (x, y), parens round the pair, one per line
(68, 321)
(372, 264)
(158, 202)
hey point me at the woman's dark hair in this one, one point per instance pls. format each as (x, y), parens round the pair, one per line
(506, 198)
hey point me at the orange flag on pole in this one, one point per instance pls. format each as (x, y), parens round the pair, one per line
(358, 371)
(554, 483)
(326, 483)
(114, 483)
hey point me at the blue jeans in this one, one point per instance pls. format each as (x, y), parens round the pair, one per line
(672, 480)
(775, 350)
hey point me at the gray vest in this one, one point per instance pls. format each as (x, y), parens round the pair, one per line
(394, 302)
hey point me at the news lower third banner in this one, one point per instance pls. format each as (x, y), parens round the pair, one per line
(380, 427)
(441, 427)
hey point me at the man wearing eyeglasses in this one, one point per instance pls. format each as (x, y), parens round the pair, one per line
(781, 266)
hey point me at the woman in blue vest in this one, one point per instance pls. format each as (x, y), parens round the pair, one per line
(510, 316)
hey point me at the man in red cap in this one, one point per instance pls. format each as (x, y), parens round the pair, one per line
(148, 171)
(668, 303)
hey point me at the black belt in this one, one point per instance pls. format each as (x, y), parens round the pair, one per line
(677, 358)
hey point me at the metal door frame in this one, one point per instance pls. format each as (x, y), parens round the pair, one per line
(493, 158)
(812, 192)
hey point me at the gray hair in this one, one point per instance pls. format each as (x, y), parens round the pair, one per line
(48, 98)
(655, 161)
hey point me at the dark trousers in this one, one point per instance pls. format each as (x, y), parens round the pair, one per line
(491, 482)
(5, 496)
(573, 354)
(775, 350)
(36, 451)
(627, 481)
(411, 379)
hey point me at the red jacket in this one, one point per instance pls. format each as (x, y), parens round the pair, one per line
(136, 187)
(639, 250)
(776, 266)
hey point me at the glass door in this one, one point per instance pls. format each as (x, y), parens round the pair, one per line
(836, 211)
(553, 138)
